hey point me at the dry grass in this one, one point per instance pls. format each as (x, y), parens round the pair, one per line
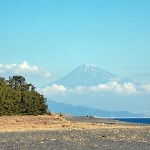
(26, 123)
(54, 122)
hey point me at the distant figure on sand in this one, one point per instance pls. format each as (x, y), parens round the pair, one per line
(89, 116)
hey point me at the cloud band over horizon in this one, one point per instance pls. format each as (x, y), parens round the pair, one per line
(110, 87)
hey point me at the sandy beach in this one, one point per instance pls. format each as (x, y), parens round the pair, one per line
(57, 132)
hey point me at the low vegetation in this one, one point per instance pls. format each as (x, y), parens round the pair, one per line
(20, 98)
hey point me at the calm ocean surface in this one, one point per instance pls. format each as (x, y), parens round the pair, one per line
(135, 120)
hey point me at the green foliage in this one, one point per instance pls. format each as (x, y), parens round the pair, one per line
(19, 98)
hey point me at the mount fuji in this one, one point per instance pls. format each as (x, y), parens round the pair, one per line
(87, 75)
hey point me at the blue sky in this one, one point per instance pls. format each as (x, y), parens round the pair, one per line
(46, 39)
(60, 35)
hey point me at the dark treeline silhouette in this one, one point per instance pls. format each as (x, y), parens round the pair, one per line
(20, 98)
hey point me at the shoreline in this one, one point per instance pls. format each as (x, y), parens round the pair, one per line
(57, 122)
(66, 132)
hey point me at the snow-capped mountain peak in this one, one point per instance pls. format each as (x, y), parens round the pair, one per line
(85, 75)
(87, 67)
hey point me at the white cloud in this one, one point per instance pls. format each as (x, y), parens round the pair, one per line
(47, 74)
(130, 88)
(146, 87)
(110, 87)
(114, 87)
(23, 69)
(54, 89)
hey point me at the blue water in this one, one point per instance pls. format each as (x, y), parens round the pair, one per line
(135, 120)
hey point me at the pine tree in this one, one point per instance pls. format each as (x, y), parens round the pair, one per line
(20, 98)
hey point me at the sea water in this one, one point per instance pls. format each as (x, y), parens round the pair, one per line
(135, 120)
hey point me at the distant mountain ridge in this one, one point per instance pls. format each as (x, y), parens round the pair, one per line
(56, 107)
(85, 75)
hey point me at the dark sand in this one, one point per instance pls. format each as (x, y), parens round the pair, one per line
(79, 133)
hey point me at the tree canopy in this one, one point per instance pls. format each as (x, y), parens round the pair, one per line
(20, 98)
